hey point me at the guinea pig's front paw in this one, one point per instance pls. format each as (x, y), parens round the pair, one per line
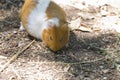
(21, 27)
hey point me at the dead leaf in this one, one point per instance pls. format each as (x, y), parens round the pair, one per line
(75, 24)
(96, 29)
(85, 29)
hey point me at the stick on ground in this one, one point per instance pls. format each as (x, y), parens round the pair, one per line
(15, 56)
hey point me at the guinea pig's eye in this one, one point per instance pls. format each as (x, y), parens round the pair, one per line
(51, 38)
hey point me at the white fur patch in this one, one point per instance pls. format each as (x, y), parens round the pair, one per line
(52, 22)
(38, 20)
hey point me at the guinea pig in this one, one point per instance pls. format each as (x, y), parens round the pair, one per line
(45, 20)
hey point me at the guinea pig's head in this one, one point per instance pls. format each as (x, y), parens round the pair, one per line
(56, 37)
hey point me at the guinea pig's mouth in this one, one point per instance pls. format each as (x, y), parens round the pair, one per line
(55, 50)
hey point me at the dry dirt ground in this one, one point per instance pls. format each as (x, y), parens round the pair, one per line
(88, 55)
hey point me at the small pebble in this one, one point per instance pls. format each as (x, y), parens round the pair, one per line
(104, 78)
(87, 78)
(101, 67)
(15, 32)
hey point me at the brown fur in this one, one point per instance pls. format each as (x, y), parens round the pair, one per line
(55, 11)
(28, 6)
(59, 35)
(55, 37)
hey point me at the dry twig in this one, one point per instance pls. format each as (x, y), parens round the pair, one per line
(15, 56)
(74, 63)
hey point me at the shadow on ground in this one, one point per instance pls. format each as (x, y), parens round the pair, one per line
(83, 58)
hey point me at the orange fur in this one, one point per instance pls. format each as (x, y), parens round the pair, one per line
(54, 36)
(28, 6)
(55, 11)
(59, 34)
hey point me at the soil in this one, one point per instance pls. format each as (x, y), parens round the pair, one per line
(88, 55)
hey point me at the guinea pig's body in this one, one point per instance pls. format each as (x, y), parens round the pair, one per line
(45, 20)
